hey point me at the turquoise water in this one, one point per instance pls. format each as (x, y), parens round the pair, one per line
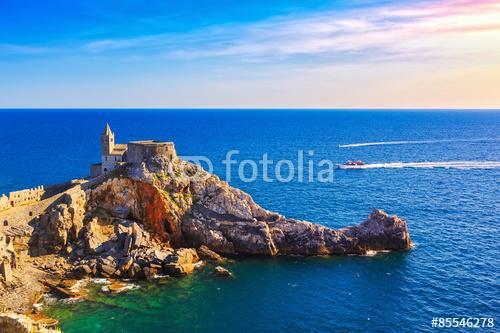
(452, 214)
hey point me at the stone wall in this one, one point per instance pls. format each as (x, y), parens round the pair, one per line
(20, 217)
(110, 162)
(22, 197)
(139, 151)
(95, 170)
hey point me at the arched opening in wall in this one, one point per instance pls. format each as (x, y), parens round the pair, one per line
(5, 223)
(105, 169)
(31, 214)
(12, 203)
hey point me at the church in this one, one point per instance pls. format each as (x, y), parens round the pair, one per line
(116, 154)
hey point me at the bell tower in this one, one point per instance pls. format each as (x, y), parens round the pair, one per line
(107, 141)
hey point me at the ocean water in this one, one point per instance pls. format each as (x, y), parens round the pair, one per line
(439, 170)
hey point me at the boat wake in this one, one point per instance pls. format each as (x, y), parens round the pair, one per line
(382, 143)
(464, 165)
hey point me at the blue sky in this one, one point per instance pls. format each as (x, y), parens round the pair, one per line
(312, 53)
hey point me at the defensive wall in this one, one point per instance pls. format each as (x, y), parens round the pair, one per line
(139, 151)
(22, 197)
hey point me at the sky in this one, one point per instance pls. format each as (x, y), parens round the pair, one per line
(250, 54)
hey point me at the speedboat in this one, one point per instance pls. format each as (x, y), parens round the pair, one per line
(351, 165)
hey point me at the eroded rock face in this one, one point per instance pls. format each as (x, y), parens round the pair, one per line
(228, 221)
(142, 201)
(98, 236)
(124, 249)
(8, 259)
(60, 225)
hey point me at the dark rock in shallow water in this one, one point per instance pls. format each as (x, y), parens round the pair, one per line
(222, 272)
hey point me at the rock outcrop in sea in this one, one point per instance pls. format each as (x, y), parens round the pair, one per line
(148, 219)
(164, 217)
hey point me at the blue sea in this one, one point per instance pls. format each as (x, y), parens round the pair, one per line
(451, 203)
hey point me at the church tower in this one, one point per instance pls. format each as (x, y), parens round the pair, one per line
(107, 141)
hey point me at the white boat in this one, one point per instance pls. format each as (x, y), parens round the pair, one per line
(351, 165)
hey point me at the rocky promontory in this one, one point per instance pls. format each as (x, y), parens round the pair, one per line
(164, 217)
(149, 218)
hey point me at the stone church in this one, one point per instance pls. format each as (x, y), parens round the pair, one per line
(115, 154)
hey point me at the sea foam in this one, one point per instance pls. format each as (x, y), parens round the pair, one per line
(445, 165)
(382, 143)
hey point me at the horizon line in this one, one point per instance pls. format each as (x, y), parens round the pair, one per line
(253, 108)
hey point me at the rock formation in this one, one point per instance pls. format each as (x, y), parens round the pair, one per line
(143, 223)
(18, 323)
(7, 259)
(59, 226)
(161, 216)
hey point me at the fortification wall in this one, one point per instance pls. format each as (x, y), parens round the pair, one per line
(15, 221)
(95, 170)
(22, 197)
(143, 150)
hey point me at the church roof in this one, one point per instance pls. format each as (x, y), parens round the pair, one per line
(107, 130)
(119, 149)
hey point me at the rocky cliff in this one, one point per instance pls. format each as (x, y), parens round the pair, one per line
(149, 219)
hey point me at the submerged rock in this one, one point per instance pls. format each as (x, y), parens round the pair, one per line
(222, 272)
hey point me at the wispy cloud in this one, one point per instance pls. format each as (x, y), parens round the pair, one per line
(416, 30)
(429, 27)
(24, 49)
(408, 54)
